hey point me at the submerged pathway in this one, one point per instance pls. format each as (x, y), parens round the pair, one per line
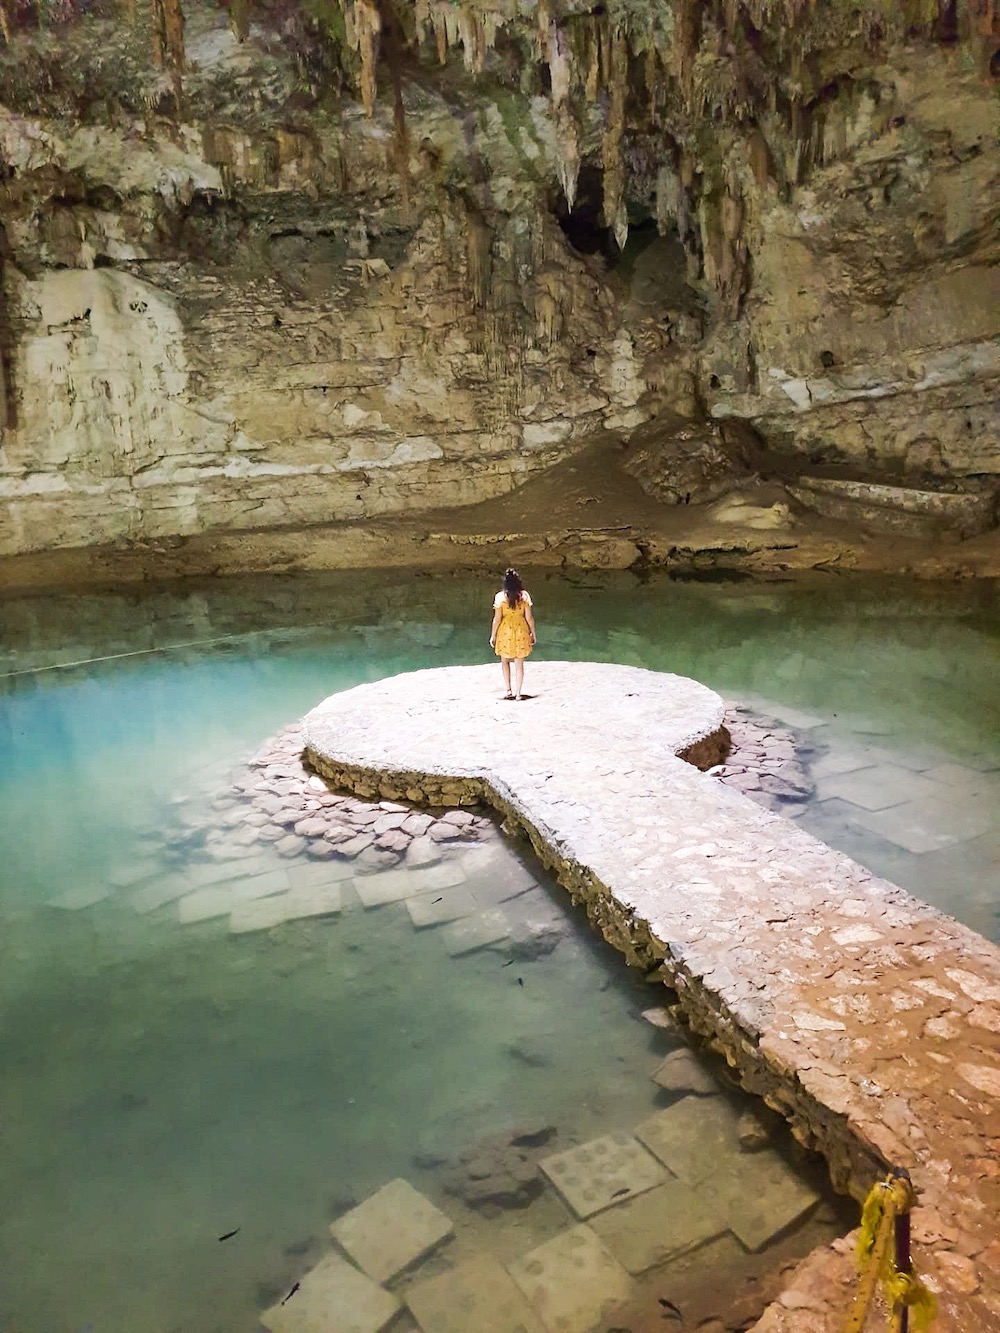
(869, 1019)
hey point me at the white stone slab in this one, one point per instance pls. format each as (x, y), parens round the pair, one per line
(658, 1226)
(692, 1136)
(306, 873)
(793, 717)
(479, 1295)
(573, 1281)
(79, 897)
(221, 899)
(496, 874)
(169, 888)
(837, 762)
(391, 1230)
(960, 781)
(393, 886)
(476, 932)
(386, 886)
(925, 826)
(333, 1298)
(158, 893)
(444, 875)
(437, 907)
(315, 900)
(877, 788)
(758, 1195)
(260, 914)
(603, 1172)
(134, 872)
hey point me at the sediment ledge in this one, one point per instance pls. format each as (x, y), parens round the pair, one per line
(868, 1019)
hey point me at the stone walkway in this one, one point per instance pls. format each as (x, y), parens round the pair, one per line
(868, 1019)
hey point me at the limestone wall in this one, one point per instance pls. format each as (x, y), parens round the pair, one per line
(165, 395)
(265, 308)
(870, 334)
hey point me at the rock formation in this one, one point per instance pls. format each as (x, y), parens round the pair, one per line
(284, 265)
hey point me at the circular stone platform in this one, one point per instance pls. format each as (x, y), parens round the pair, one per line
(455, 721)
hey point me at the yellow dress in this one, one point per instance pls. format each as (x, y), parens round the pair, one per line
(513, 636)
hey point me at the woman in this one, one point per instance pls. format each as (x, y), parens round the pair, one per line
(512, 634)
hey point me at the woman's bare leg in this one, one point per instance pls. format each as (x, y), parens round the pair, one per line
(505, 668)
(518, 675)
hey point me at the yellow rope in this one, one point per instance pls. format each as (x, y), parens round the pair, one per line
(904, 1291)
(877, 1264)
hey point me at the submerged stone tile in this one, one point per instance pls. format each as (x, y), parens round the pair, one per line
(158, 893)
(135, 872)
(878, 788)
(437, 907)
(692, 1136)
(572, 1281)
(603, 1172)
(222, 899)
(261, 914)
(393, 886)
(758, 1196)
(334, 1295)
(314, 900)
(478, 1295)
(391, 1230)
(837, 762)
(476, 932)
(306, 874)
(79, 897)
(925, 826)
(658, 1226)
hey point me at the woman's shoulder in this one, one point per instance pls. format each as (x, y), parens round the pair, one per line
(499, 597)
(526, 595)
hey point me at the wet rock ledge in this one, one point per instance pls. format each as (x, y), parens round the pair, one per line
(868, 1019)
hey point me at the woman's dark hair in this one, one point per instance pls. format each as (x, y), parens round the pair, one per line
(512, 586)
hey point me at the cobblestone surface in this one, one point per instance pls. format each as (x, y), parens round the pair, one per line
(866, 1018)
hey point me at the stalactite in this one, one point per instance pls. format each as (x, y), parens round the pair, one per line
(363, 24)
(560, 68)
(401, 139)
(429, 14)
(687, 29)
(668, 197)
(168, 42)
(650, 78)
(543, 21)
(615, 212)
(760, 158)
(593, 80)
(569, 154)
(470, 34)
(7, 20)
(239, 18)
(479, 256)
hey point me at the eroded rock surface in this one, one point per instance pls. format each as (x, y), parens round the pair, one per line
(256, 289)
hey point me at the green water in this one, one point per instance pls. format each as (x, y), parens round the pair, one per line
(164, 1085)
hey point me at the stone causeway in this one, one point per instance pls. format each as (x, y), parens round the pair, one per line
(870, 1020)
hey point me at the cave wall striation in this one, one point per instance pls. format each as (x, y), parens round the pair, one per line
(349, 259)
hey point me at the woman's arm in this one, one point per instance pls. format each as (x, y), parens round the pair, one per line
(531, 621)
(495, 626)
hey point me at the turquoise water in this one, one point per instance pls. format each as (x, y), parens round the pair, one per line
(164, 1085)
